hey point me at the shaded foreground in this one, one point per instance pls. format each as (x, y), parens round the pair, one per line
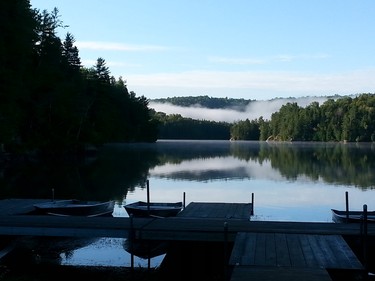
(184, 261)
(57, 272)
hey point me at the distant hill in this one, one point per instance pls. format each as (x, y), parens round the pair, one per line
(326, 118)
(207, 102)
(226, 103)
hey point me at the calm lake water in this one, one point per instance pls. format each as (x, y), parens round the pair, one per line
(290, 182)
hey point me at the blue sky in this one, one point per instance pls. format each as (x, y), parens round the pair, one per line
(251, 49)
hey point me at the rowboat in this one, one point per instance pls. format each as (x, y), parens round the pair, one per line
(351, 216)
(74, 207)
(153, 209)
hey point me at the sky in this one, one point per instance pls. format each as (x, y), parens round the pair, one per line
(250, 49)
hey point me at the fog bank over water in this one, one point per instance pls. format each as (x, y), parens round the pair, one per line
(254, 110)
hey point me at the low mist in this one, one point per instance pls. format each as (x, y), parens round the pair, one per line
(254, 110)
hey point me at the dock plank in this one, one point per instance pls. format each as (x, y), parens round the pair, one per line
(308, 252)
(295, 250)
(244, 273)
(343, 252)
(240, 211)
(297, 258)
(271, 256)
(283, 258)
(260, 252)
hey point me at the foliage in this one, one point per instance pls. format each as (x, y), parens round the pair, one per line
(49, 102)
(337, 119)
(345, 119)
(245, 130)
(206, 102)
(175, 126)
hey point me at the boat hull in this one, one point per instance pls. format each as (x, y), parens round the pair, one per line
(75, 208)
(351, 216)
(144, 209)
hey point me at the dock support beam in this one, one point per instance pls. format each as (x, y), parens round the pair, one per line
(131, 239)
(225, 256)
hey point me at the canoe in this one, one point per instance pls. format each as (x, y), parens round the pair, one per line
(74, 207)
(352, 216)
(153, 209)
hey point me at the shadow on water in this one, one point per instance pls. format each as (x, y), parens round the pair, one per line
(118, 169)
(197, 261)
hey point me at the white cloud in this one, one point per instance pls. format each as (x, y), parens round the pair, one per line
(112, 46)
(288, 58)
(265, 60)
(286, 83)
(238, 61)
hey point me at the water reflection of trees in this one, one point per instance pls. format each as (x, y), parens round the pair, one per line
(336, 163)
(120, 168)
(113, 172)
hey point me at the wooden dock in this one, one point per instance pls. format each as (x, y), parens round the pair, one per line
(198, 226)
(240, 211)
(261, 249)
(263, 256)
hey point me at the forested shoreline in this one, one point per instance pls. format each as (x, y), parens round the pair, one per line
(339, 119)
(51, 104)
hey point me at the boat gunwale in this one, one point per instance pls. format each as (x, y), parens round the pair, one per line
(80, 204)
(353, 215)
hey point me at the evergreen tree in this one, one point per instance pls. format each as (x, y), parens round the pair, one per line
(70, 52)
(17, 29)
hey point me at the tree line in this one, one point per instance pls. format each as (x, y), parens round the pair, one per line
(49, 101)
(344, 119)
(207, 102)
(175, 126)
(337, 119)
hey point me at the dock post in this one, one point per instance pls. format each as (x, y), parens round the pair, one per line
(183, 200)
(148, 196)
(347, 206)
(252, 204)
(365, 237)
(225, 251)
(131, 240)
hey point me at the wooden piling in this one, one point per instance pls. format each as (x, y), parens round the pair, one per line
(148, 196)
(131, 239)
(365, 237)
(225, 265)
(347, 206)
(183, 200)
(252, 203)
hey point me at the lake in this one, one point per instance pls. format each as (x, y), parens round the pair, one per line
(290, 182)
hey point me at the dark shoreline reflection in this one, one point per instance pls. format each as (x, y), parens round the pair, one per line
(120, 168)
(334, 163)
